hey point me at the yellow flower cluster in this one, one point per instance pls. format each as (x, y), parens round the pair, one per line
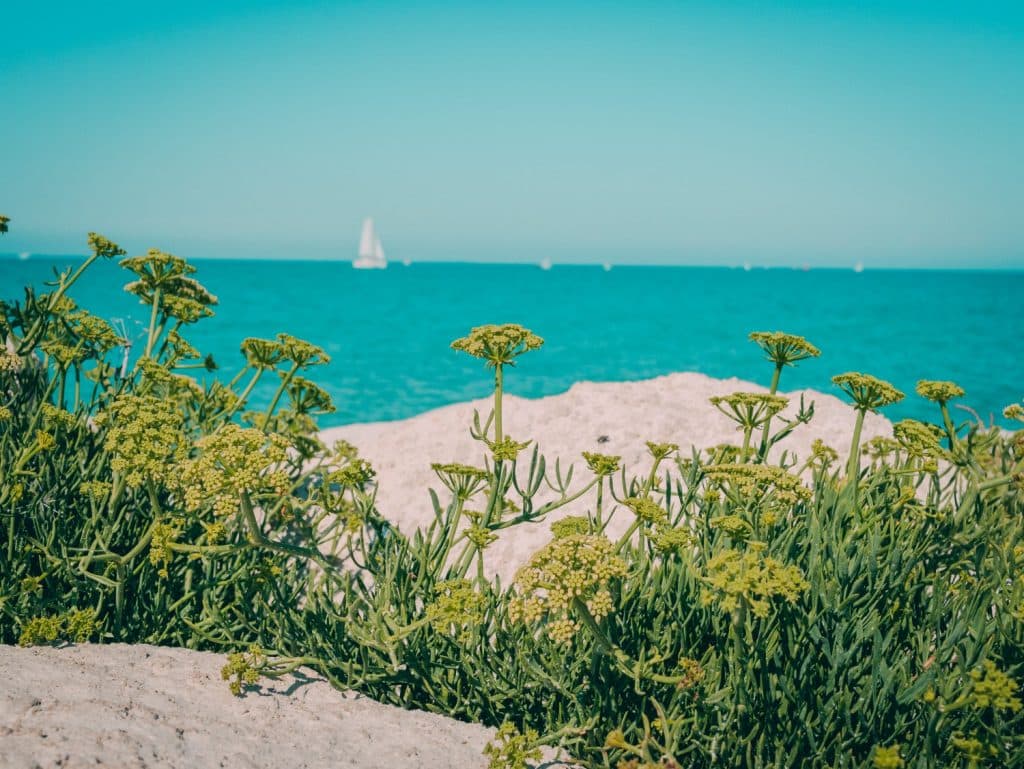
(920, 440)
(749, 410)
(355, 474)
(736, 578)
(181, 297)
(506, 449)
(733, 525)
(1013, 411)
(302, 353)
(601, 464)
(570, 526)
(462, 480)
(992, 688)
(457, 609)
(262, 353)
(571, 567)
(56, 418)
(307, 396)
(77, 625)
(672, 540)
(867, 392)
(647, 510)
(693, 673)
(5, 414)
(244, 669)
(880, 447)
(888, 757)
(160, 552)
(63, 354)
(940, 392)
(749, 480)
(145, 437)
(784, 349)
(973, 749)
(102, 247)
(498, 344)
(97, 491)
(481, 536)
(511, 750)
(93, 330)
(231, 461)
(661, 450)
(822, 453)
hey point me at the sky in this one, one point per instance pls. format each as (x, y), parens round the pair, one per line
(690, 133)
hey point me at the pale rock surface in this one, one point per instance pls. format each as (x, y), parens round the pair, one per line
(151, 707)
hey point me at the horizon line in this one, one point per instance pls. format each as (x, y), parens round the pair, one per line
(398, 264)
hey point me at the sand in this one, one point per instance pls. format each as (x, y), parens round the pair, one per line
(140, 706)
(143, 706)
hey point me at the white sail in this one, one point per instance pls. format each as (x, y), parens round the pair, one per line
(371, 253)
(367, 240)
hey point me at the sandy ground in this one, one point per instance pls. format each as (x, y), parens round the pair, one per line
(142, 706)
(130, 707)
(668, 409)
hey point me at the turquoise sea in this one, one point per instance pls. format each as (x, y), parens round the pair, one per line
(388, 331)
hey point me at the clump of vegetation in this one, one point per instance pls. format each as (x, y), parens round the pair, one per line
(804, 612)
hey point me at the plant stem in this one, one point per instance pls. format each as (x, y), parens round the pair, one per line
(497, 402)
(150, 337)
(280, 391)
(853, 462)
(768, 423)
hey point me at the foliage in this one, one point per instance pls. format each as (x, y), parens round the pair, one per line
(755, 613)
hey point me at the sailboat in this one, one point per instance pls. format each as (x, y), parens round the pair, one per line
(858, 267)
(371, 254)
(545, 263)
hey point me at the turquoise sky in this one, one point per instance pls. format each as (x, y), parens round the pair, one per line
(705, 133)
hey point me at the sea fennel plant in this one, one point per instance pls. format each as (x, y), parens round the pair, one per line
(757, 611)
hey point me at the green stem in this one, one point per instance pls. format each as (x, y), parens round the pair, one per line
(280, 391)
(256, 537)
(767, 425)
(240, 402)
(498, 386)
(853, 461)
(150, 337)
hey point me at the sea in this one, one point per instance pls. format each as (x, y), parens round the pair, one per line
(388, 332)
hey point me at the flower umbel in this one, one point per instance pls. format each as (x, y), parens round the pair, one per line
(867, 392)
(784, 349)
(940, 392)
(567, 568)
(498, 344)
(746, 578)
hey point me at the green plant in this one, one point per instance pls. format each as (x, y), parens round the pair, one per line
(755, 613)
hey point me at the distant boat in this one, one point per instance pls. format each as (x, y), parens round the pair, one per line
(607, 266)
(24, 255)
(858, 267)
(406, 262)
(371, 253)
(545, 263)
(746, 266)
